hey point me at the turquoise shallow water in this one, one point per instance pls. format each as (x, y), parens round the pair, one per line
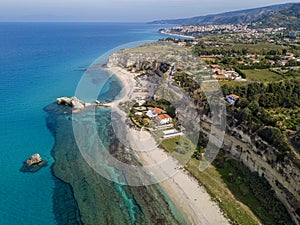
(39, 62)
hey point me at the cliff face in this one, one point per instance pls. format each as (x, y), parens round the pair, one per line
(261, 157)
(128, 59)
(139, 62)
(258, 155)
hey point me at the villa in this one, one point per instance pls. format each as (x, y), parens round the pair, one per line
(154, 112)
(163, 119)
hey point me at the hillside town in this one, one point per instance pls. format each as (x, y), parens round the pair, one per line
(232, 51)
(244, 30)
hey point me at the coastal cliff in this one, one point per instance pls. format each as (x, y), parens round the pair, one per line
(283, 175)
(258, 155)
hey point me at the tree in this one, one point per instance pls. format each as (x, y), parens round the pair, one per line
(243, 103)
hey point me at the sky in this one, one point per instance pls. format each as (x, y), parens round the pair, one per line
(120, 10)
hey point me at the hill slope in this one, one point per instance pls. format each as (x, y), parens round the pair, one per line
(288, 17)
(242, 16)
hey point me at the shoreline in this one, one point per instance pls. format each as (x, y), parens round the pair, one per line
(191, 199)
(128, 82)
(179, 35)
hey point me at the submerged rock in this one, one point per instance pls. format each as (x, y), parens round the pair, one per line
(33, 164)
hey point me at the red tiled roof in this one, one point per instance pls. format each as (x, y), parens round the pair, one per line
(164, 116)
(157, 110)
(235, 96)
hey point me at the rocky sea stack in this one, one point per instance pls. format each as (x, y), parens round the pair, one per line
(33, 164)
(76, 104)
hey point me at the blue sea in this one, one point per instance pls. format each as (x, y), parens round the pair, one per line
(38, 63)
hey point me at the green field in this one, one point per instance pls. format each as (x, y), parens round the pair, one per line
(261, 46)
(233, 83)
(170, 144)
(180, 147)
(262, 75)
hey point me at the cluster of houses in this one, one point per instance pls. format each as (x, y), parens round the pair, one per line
(253, 59)
(155, 114)
(210, 28)
(162, 121)
(219, 73)
(223, 74)
(245, 33)
(158, 115)
(289, 57)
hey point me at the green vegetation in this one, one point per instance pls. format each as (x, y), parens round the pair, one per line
(185, 81)
(137, 121)
(201, 145)
(258, 99)
(139, 118)
(262, 75)
(163, 104)
(253, 190)
(296, 141)
(230, 47)
(288, 17)
(272, 111)
(264, 100)
(271, 75)
(268, 107)
(218, 190)
(170, 144)
(232, 185)
(287, 119)
(238, 191)
(181, 148)
(259, 15)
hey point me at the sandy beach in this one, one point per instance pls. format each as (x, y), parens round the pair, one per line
(127, 80)
(184, 190)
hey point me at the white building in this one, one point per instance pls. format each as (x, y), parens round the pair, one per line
(163, 119)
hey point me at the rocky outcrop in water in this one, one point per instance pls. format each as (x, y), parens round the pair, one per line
(76, 104)
(33, 164)
(73, 102)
